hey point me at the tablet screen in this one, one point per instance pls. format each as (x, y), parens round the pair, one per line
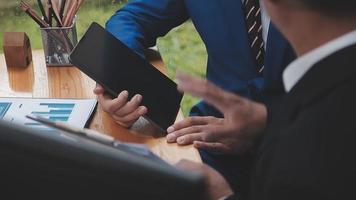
(116, 67)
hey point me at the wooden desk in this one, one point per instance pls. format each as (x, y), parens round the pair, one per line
(38, 81)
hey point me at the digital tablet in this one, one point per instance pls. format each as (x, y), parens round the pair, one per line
(116, 67)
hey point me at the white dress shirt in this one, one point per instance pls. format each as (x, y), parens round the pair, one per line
(265, 20)
(297, 69)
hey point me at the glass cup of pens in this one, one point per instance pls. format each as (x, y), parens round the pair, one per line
(59, 34)
(58, 42)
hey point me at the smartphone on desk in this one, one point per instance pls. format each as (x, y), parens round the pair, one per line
(116, 67)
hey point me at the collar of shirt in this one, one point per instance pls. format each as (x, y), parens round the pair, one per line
(296, 70)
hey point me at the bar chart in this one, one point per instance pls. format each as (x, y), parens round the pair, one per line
(71, 111)
(52, 111)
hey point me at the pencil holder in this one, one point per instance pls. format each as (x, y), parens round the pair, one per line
(58, 42)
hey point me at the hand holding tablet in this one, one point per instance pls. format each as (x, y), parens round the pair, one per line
(117, 68)
(123, 110)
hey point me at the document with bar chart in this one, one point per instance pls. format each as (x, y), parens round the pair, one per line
(73, 111)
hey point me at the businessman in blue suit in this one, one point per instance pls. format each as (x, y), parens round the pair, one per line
(246, 55)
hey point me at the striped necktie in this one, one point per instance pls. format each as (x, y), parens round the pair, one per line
(254, 29)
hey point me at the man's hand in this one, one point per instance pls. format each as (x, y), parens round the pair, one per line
(242, 124)
(125, 112)
(216, 184)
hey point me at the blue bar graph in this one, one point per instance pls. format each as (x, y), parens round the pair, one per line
(58, 105)
(62, 119)
(55, 111)
(4, 107)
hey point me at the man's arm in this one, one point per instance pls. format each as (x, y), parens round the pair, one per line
(140, 22)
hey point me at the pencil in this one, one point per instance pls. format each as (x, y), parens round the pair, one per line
(46, 8)
(56, 13)
(49, 11)
(71, 13)
(27, 9)
(62, 7)
(78, 5)
(42, 10)
(66, 10)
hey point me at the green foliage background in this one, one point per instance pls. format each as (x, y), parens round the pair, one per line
(181, 49)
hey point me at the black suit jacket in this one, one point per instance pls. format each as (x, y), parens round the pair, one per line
(309, 149)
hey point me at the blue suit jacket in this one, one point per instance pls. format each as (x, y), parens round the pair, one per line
(222, 27)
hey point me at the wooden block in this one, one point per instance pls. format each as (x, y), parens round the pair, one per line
(17, 49)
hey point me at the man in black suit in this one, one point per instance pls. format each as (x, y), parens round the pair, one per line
(307, 149)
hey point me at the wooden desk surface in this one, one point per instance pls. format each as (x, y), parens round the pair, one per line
(38, 81)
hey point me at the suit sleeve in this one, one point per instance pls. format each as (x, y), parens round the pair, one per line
(140, 22)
